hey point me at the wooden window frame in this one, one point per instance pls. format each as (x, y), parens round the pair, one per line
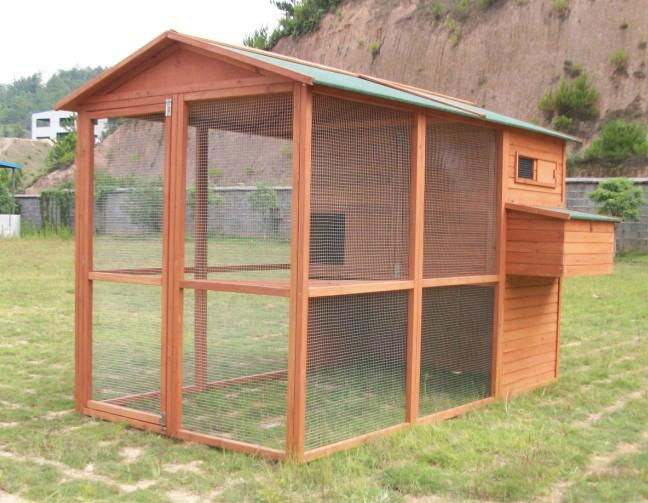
(534, 180)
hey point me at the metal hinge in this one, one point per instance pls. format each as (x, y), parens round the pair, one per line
(167, 107)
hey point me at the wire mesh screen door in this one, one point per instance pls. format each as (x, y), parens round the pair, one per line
(237, 238)
(129, 171)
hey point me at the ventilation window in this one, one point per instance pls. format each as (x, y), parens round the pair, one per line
(327, 238)
(525, 168)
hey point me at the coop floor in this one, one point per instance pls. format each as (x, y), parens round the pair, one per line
(341, 404)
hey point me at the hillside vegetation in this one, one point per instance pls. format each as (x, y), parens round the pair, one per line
(27, 95)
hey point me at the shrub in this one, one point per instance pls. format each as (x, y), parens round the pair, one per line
(485, 4)
(374, 47)
(62, 154)
(619, 197)
(438, 10)
(562, 123)
(461, 9)
(576, 99)
(619, 140)
(455, 31)
(258, 39)
(619, 60)
(7, 205)
(560, 6)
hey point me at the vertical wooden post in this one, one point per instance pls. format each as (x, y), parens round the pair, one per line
(417, 227)
(201, 208)
(299, 271)
(500, 289)
(175, 300)
(83, 230)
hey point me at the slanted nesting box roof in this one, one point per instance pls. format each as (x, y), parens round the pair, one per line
(299, 70)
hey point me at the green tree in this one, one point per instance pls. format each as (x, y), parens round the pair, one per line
(619, 140)
(576, 99)
(619, 197)
(63, 153)
(7, 203)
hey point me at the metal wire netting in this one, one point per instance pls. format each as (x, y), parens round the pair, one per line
(239, 176)
(460, 200)
(356, 365)
(126, 335)
(129, 195)
(235, 367)
(456, 346)
(360, 191)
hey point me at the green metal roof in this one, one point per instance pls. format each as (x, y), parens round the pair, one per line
(580, 215)
(337, 80)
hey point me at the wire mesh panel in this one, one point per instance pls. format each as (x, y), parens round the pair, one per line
(360, 191)
(235, 375)
(128, 195)
(456, 346)
(239, 176)
(126, 335)
(356, 365)
(460, 200)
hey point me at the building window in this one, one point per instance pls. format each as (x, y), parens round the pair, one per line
(42, 122)
(60, 136)
(66, 122)
(327, 238)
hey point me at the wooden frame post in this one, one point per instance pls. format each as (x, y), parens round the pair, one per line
(417, 227)
(500, 289)
(83, 233)
(175, 296)
(201, 208)
(299, 271)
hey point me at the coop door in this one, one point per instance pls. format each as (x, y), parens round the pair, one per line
(127, 264)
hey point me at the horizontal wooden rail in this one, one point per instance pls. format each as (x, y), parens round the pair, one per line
(325, 288)
(278, 288)
(460, 280)
(191, 270)
(266, 376)
(139, 415)
(134, 279)
(108, 416)
(454, 412)
(257, 450)
(352, 442)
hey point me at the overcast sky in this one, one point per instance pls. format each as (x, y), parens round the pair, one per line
(45, 36)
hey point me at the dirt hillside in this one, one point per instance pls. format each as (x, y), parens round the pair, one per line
(505, 57)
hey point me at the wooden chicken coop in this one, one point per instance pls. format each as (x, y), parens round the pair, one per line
(286, 259)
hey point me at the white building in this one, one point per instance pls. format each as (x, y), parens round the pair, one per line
(54, 125)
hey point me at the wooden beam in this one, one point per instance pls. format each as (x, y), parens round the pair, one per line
(456, 411)
(237, 92)
(300, 244)
(327, 450)
(83, 236)
(500, 289)
(175, 302)
(117, 410)
(460, 280)
(416, 251)
(133, 279)
(277, 288)
(331, 288)
(136, 423)
(233, 445)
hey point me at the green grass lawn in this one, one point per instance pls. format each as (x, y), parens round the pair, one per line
(584, 438)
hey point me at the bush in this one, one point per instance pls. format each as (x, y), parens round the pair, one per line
(438, 10)
(576, 99)
(62, 154)
(299, 17)
(619, 140)
(7, 206)
(560, 6)
(619, 197)
(485, 4)
(562, 123)
(619, 60)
